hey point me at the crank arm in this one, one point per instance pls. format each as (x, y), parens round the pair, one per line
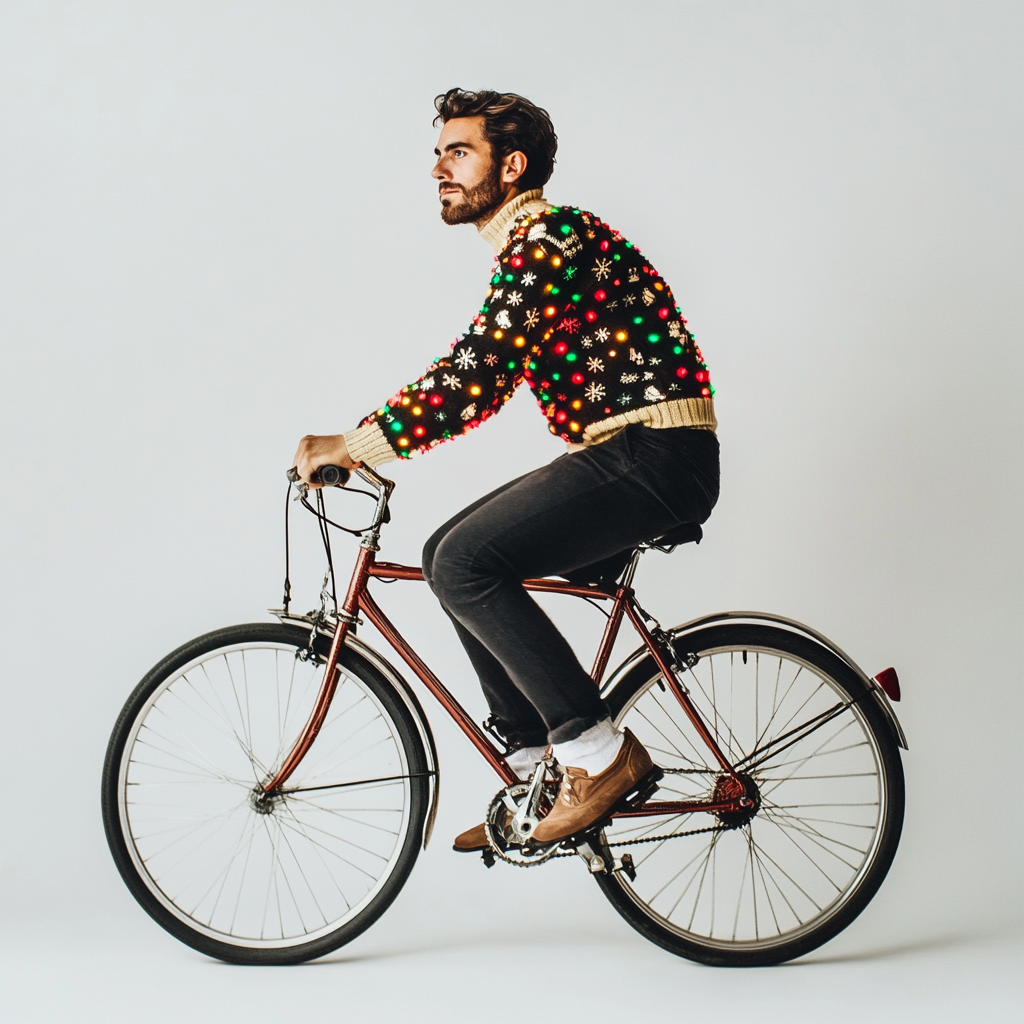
(526, 820)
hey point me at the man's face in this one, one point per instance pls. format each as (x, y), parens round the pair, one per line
(469, 178)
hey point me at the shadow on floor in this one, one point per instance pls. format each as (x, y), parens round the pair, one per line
(517, 942)
(907, 948)
(514, 943)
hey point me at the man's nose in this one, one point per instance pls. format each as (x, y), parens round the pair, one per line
(440, 172)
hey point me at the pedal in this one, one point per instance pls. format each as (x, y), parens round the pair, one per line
(626, 866)
(642, 791)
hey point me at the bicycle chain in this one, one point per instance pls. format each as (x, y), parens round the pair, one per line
(611, 846)
(654, 839)
(671, 835)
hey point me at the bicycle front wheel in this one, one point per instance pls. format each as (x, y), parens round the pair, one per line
(822, 767)
(237, 876)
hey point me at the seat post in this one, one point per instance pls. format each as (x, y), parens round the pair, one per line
(626, 579)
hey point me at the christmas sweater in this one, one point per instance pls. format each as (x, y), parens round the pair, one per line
(576, 313)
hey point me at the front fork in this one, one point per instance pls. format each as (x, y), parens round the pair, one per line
(347, 617)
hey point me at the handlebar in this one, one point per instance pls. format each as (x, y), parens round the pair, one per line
(330, 476)
(327, 476)
(336, 476)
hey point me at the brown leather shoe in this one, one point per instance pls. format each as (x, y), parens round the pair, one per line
(472, 841)
(584, 801)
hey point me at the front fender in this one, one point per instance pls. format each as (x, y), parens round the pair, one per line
(386, 669)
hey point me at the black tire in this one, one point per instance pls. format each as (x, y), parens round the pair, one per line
(181, 753)
(842, 829)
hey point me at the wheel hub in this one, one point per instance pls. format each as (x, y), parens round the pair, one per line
(263, 802)
(748, 797)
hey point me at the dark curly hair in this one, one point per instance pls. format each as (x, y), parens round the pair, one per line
(511, 123)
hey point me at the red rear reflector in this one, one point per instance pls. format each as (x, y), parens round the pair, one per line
(889, 682)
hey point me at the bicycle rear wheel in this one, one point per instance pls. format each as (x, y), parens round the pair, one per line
(823, 766)
(241, 878)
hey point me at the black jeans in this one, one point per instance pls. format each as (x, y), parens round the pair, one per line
(580, 509)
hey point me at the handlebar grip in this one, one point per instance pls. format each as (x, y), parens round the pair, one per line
(330, 476)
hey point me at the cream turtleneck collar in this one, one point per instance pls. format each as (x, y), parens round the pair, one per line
(495, 232)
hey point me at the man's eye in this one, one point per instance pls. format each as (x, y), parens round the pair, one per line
(460, 152)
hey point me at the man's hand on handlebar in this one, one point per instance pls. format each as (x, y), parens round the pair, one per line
(315, 451)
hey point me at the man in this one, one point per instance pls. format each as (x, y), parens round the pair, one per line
(576, 313)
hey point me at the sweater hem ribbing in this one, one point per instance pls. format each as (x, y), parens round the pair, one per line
(679, 412)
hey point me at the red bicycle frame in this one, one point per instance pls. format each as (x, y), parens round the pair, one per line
(730, 793)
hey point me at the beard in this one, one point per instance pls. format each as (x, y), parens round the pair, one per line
(478, 200)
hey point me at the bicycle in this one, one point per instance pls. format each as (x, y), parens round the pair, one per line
(267, 787)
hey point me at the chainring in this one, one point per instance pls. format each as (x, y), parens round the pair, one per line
(501, 833)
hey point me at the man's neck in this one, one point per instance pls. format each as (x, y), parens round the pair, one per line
(495, 229)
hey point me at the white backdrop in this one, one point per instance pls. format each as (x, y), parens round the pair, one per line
(219, 233)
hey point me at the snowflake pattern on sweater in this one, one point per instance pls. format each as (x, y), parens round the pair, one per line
(573, 307)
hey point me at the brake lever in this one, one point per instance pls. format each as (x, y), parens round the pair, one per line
(300, 485)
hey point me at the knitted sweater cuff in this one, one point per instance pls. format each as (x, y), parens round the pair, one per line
(367, 444)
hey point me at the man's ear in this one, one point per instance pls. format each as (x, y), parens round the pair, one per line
(513, 167)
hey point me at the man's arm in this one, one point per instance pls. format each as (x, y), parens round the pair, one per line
(458, 392)
(462, 388)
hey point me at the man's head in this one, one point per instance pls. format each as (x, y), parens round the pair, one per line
(492, 147)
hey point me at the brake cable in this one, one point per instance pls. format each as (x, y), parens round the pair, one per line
(320, 513)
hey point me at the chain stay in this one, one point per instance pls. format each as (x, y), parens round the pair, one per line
(612, 846)
(671, 835)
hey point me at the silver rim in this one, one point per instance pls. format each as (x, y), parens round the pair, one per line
(811, 843)
(201, 745)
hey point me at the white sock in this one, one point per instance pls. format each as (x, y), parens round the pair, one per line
(524, 760)
(593, 750)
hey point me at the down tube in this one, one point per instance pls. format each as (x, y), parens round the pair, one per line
(384, 625)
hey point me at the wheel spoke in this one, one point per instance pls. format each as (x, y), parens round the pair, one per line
(675, 750)
(320, 857)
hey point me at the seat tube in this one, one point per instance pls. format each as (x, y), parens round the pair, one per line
(611, 631)
(678, 692)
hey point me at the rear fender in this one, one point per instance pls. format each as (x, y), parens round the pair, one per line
(720, 618)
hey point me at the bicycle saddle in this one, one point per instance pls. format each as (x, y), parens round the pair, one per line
(607, 571)
(684, 533)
